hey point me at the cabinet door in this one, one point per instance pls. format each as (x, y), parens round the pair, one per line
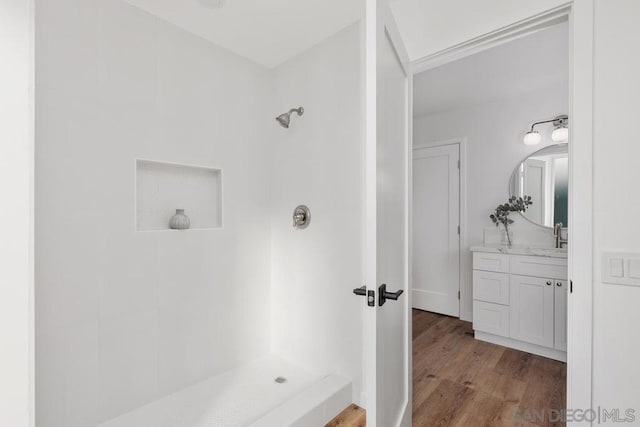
(531, 312)
(560, 323)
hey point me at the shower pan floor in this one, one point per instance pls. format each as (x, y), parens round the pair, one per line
(237, 398)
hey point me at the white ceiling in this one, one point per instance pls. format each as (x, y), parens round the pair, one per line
(531, 63)
(268, 32)
(429, 26)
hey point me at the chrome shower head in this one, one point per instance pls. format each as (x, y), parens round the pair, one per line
(285, 118)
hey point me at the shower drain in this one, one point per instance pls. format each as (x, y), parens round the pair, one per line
(281, 380)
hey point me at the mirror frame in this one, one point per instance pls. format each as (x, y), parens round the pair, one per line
(511, 178)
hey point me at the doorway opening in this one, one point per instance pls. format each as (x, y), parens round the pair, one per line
(437, 200)
(489, 235)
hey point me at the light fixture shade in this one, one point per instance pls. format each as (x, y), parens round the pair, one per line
(532, 138)
(560, 134)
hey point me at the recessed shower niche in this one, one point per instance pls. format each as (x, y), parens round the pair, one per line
(162, 187)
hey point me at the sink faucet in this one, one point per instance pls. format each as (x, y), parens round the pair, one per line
(557, 232)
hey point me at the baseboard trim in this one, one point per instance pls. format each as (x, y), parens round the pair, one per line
(550, 353)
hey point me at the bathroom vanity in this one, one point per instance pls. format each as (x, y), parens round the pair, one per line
(520, 298)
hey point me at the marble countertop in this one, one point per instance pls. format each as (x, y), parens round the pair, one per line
(521, 250)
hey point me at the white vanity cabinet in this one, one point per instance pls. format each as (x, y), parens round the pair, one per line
(520, 301)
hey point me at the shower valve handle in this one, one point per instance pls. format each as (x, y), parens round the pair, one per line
(301, 217)
(298, 218)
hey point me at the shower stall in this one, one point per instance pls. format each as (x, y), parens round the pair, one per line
(218, 325)
(195, 259)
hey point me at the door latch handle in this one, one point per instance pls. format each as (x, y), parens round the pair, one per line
(371, 295)
(383, 295)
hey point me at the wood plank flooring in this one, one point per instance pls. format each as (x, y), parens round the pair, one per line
(353, 416)
(460, 381)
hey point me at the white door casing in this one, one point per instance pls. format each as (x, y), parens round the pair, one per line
(387, 220)
(436, 220)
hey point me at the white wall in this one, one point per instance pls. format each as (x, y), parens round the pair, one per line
(125, 317)
(616, 371)
(429, 26)
(494, 133)
(16, 250)
(316, 319)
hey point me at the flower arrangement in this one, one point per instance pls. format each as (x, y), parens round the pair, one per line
(502, 212)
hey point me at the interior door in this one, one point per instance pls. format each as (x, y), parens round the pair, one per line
(387, 165)
(436, 239)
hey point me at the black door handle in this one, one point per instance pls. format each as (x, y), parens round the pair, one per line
(383, 295)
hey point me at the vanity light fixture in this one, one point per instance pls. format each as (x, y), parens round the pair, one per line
(560, 131)
(532, 137)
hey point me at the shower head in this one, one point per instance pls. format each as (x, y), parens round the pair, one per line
(285, 118)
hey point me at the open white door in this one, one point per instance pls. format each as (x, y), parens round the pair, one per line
(388, 139)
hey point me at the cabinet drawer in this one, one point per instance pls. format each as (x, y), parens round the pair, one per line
(491, 318)
(491, 262)
(553, 268)
(489, 286)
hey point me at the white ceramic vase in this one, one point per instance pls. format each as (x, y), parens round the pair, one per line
(179, 221)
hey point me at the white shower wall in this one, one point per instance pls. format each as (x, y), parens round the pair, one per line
(125, 317)
(316, 319)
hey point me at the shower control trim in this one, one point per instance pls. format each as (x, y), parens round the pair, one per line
(301, 217)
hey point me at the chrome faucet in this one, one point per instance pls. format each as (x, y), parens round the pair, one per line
(557, 232)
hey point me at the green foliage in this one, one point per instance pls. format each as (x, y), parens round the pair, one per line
(515, 204)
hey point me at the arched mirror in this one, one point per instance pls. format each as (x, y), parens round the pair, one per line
(544, 176)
